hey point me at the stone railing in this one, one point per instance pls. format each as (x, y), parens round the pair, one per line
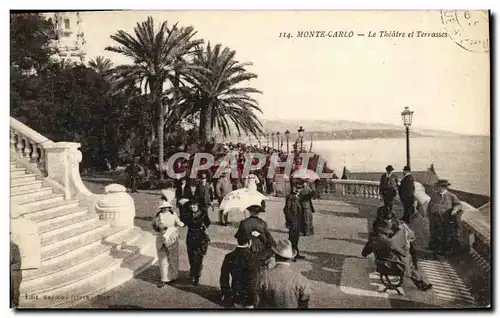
(28, 144)
(476, 235)
(57, 161)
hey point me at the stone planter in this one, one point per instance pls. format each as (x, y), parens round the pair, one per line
(116, 206)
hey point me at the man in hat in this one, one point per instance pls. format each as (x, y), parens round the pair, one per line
(222, 188)
(206, 192)
(242, 268)
(443, 210)
(392, 246)
(197, 239)
(262, 240)
(294, 217)
(388, 186)
(282, 287)
(407, 194)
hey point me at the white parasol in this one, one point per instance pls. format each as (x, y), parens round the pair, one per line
(239, 200)
(308, 175)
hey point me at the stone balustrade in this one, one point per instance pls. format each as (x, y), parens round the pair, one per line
(28, 144)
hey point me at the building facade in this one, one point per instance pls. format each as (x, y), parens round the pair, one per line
(68, 36)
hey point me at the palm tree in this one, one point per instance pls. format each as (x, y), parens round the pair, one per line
(101, 64)
(218, 95)
(156, 53)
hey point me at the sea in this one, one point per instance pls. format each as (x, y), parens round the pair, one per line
(463, 161)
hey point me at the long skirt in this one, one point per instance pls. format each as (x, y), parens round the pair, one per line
(307, 223)
(168, 260)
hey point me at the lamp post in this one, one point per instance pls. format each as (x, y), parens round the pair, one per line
(267, 138)
(278, 140)
(406, 116)
(272, 140)
(287, 134)
(301, 136)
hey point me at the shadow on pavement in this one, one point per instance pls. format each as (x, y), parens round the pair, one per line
(326, 267)
(350, 240)
(409, 304)
(223, 245)
(150, 275)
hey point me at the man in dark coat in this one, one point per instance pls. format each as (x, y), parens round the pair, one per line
(242, 268)
(205, 192)
(262, 240)
(197, 240)
(282, 286)
(293, 217)
(443, 219)
(306, 194)
(407, 194)
(388, 187)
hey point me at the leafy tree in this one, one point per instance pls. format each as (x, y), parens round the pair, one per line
(159, 55)
(219, 97)
(101, 64)
(30, 41)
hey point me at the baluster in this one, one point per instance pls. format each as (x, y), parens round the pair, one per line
(19, 145)
(34, 153)
(12, 140)
(41, 161)
(27, 148)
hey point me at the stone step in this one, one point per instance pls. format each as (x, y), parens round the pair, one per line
(84, 254)
(72, 248)
(31, 196)
(98, 282)
(41, 212)
(69, 212)
(20, 179)
(78, 220)
(73, 234)
(22, 188)
(15, 171)
(114, 255)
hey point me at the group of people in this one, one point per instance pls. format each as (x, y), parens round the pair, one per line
(254, 273)
(444, 208)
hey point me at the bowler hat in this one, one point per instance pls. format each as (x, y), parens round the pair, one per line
(284, 249)
(255, 209)
(389, 168)
(407, 168)
(442, 183)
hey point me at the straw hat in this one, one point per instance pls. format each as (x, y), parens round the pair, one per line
(284, 249)
(165, 204)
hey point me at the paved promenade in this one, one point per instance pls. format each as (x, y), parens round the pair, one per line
(340, 277)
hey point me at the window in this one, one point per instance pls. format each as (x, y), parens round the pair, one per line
(66, 23)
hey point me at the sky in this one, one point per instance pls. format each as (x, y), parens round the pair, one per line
(360, 78)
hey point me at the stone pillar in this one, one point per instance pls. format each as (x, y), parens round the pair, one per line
(116, 206)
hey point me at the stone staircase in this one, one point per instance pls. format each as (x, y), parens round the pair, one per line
(81, 256)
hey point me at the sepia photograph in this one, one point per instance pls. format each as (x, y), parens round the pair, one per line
(244, 160)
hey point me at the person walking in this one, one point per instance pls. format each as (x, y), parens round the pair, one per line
(306, 195)
(388, 186)
(281, 286)
(407, 194)
(262, 240)
(165, 225)
(293, 217)
(239, 274)
(206, 193)
(197, 240)
(181, 195)
(443, 210)
(222, 188)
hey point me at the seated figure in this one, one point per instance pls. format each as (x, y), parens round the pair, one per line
(390, 243)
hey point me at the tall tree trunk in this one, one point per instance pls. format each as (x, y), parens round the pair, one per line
(161, 124)
(206, 124)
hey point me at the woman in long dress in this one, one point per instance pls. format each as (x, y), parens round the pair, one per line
(165, 224)
(251, 182)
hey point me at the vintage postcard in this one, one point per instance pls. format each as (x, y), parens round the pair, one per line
(250, 159)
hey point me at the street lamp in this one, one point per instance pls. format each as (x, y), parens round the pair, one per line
(278, 140)
(301, 136)
(267, 138)
(406, 116)
(272, 140)
(287, 134)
